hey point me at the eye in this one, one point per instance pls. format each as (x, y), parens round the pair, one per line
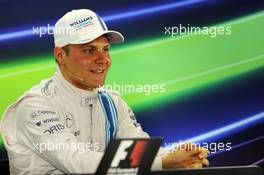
(106, 49)
(89, 50)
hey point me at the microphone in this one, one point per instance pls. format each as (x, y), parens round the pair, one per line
(74, 75)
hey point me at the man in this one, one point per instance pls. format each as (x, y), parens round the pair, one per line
(62, 124)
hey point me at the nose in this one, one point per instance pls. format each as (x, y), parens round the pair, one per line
(101, 58)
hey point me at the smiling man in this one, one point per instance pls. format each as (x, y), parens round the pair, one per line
(64, 124)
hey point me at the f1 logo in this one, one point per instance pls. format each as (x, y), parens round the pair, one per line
(121, 152)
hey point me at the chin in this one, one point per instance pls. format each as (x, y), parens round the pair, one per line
(95, 83)
(99, 85)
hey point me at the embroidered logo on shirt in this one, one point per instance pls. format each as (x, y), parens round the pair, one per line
(69, 119)
(36, 113)
(54, 129)
(69, 122)
(46, 121)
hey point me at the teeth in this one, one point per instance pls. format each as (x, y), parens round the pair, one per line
(98, 71)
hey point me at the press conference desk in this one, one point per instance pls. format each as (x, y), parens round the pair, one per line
(232, 170)
(236, 170)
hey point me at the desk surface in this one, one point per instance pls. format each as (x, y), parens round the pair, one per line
(228, 170)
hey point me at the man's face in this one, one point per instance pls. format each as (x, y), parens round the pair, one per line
(89, 62)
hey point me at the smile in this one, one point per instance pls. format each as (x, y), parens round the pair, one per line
(98, 71)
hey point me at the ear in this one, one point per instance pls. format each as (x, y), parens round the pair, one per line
(59, 55)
